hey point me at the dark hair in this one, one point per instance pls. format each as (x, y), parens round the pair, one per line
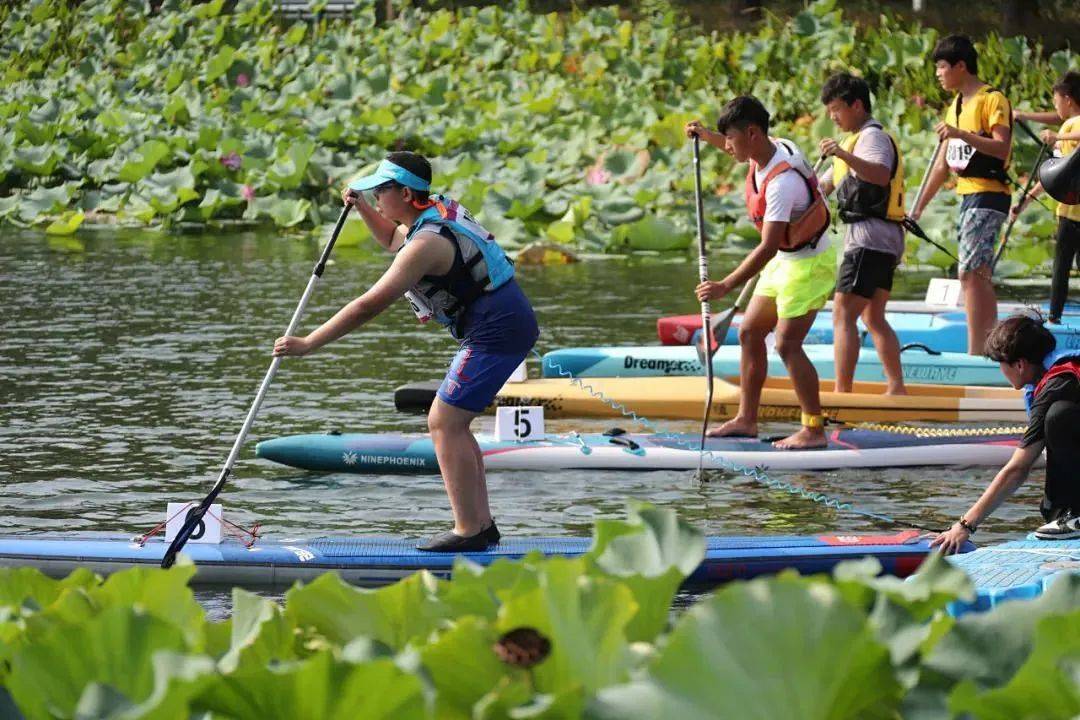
(955, 48)
(742, 112)
(415, 163)
(846, 87)
(1020, 336)
(1069, 85)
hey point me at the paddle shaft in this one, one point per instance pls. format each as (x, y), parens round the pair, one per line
(926, 175)
(196, 515)
(723, 323)
(1023, 196)
(703, 276)
(909, 223)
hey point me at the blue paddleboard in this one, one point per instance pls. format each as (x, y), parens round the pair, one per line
(377, 560)
(919, 364)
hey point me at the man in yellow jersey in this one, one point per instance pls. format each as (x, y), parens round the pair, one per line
(977, 134)
(1067, 250)
(795, 258)
(868, 175)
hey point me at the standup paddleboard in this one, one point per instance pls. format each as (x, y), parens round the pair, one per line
(684, 397)
(919, 364)
(944, 331)
(375, 560)
(854, 447)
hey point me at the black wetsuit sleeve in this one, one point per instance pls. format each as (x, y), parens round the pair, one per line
(1063, 387)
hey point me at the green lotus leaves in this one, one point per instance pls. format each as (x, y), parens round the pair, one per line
(653, 552)
(1044, 687)
(143, 161)
(115, 648)
(764, 649)
(66, 224)
(585, 617)
(37, 159)
(529, 102)
(651, 233)
(136, 645)
(321, 687)
(393, 615)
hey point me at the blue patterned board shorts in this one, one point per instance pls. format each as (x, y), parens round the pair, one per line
(979, 228)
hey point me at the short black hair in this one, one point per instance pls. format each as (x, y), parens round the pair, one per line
(742, 112)
(954, 48)
(1020, 336)
(415, 163)
(846, 87)
(1069, 85)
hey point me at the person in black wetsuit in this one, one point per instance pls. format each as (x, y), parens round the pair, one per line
(1027, 353)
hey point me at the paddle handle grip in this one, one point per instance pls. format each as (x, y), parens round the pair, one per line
(703, 254)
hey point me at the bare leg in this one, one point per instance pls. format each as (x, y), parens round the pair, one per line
(846, 310)
(981, 305)
(886, 342)
(757, 323)
(462, 467)
(790, 333)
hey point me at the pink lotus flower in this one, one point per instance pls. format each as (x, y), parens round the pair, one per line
(233, 161)
(242, 80)
(248, 193)
(919, 100)
(597, 176)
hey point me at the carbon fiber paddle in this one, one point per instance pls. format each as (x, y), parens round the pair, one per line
(703, 276)
(195, 515)
(721, 324)
(1043, 148)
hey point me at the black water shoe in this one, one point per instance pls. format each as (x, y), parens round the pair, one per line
(451, 542)
(491, 532)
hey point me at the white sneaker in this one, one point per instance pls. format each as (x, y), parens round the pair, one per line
(1065, 527)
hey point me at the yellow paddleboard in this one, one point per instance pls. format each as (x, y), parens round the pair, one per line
(684, 398)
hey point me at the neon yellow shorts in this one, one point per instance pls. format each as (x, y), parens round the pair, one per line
(799, 286)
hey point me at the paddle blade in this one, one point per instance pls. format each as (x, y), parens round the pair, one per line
(718, 328)
(190, 524)
(913, 227)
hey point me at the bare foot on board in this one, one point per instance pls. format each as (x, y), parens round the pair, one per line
(736, 427)
(805, 439)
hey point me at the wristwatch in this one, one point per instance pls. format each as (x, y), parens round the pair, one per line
(966, 525)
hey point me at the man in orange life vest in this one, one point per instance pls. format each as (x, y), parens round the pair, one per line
(795, 258)
(1051, 381)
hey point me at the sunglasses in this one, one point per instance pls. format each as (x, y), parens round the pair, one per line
(379, 189)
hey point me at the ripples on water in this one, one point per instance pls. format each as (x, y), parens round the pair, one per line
(129, 359)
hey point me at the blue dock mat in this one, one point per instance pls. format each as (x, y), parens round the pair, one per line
(1017, 570)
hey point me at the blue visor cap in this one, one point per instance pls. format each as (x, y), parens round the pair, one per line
(389, 172)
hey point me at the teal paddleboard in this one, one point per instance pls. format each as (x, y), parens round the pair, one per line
(920, 365)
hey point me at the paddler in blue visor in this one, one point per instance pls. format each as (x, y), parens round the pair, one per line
(452, 271)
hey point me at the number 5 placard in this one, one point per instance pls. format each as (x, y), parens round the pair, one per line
(519, 423)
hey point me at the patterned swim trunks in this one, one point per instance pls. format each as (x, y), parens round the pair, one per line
(979, 228)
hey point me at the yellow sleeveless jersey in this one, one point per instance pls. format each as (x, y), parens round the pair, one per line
(1065, 147)
(979, 115)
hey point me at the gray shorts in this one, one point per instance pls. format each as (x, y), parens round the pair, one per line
(979, 228)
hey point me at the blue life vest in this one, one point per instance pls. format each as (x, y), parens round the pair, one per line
(480, 265)
(1053, 358)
